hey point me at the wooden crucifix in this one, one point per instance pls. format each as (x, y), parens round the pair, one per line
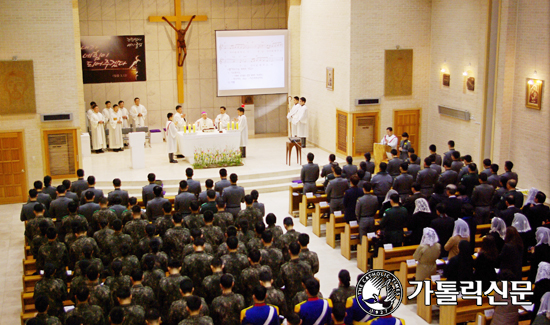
(180, 36)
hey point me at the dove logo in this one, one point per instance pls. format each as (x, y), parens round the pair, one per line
(379, 293)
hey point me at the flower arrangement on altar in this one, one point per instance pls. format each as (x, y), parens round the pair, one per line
(216, 158)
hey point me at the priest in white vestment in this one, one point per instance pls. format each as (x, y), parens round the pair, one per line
(115, 129)
(390, 140)
(301, 126)
(243, 128)
(138, 113)
(171, 138)
(204, 122)
(179, 119)
(105, 112)
(98, 130)
(292, 116)
(222, 120)
(125, 114)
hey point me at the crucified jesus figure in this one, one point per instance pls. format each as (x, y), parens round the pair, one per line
(182, 47)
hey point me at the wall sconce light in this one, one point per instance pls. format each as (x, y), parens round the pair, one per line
(443, 70)
(465, 73)
(531, 82)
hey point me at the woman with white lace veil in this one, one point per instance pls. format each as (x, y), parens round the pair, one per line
(386, 204)
(543, 315)
(427, 253)
(420, 219)
(541, 251)
(521, 223)
(460, 232)
(498, 232)
(542, 285)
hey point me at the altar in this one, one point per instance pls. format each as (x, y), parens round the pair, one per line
(204, 148)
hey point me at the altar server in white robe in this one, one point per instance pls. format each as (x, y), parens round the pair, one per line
(301, 126)
(222, 120)
(171, 138)
(138, 113)
(179, 119)
(90, 111)
(125, 114)
(105, 112)
(390, 140)
(98, 130)
(292, 116)
(115, 129)
(243, 128)
(204, 122)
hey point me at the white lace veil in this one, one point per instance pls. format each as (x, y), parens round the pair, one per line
(521, 223)
(429, 237)
(461, 229)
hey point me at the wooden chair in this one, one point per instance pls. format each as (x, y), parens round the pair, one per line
(335, 226)
(349, 238)
(317, 218)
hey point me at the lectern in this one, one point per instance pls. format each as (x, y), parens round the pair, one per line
(137, 145)
(380, 155)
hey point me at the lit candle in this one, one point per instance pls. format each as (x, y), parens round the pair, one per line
(194, 128)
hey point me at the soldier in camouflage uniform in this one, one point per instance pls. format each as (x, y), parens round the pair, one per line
(272, 257)
(41, 304)
(152, 276)
(136, 227)
(169, 287)
(222, 218)
(66, 231)
(340, 295)
(141, 295)
(178, 310)
(128, 214)
(211, 283)
(55, 253)
(188, 249)
(197, 266)
(306, 255)
(76, 250)
(78, 281)
(53, 288)
(176, 238)
(103, 212)
(223, 250)
(274, 296)
(91, 314)
(250, 213)
(164, 223)
(41, 238)
(143, 245)
(244, 234)
(212, 234)
(226, 309)
(194, 308)
(195, 219)
(250, 277)
(100, 295)
(234, 263)
(161, 259)
(302, 296)
(102, 238)
(129, 262)
(276, 231)
(32, 228)
(133, 314)
(117, 239)
(256, 241)
(292, 273)
(117, 280)
(291, 236)
(88, 252)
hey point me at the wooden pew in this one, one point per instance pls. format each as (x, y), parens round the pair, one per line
(29, 281)
(28, 253)
(390, 260)
(349, 238)
(303, 209)
(481, 319)
(295, 200)
(363, 254)
(423, 310)
(335, 226)
(317, 218)
(29, 267)
(26, 316)
(27, 303)
(465, 310)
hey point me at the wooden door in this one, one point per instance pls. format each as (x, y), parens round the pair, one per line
(365, 132)
(13, 178)
(341, 132)
(408, 121)
(61, 148)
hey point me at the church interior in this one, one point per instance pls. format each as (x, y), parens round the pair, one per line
(470, 71)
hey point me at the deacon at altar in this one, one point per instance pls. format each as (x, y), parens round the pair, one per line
(105, 112)
(115, 129)
(90, 111)
(171, 138)
(125, 114)
(204, 122)
(98, 130)
(138, 113)
(179, 119)
(301, 125)
(243, 127)
(390, 140)
(292, 116)
(222, 120)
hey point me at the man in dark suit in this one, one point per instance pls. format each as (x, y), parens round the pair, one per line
(427, 177)
(414, 166)
(381, 183)
(182, 202)
(449, 176)
(464, 170)
(336, 189)
(233, 196)
(87, 209)
(481, 198)
(48, 188)
(27, 211)
(456, 163)
(79, 185)
(494, 179)
(416, 194)
(537, 213)
(470, 180)
(310, 174)
(436, 167)
(437, 158)
(511, 190)
(194, 186)
(508, 214)
(453, 204)
(447, 156)
(41, 197)
(394, 164)
(402, 183)
(486, 167)
(123, 195)
(147, 191)
(71, 195)
(98, 194)
(59, 206)
(443, 226)
(350, 169)
(508, 173)
(223, 182)
(370, 164)
(154, 206)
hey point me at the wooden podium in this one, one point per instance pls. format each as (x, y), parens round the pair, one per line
(379, 153)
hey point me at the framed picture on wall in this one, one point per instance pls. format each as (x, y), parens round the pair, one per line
(446, 80)
(330, 78)
(533, 95)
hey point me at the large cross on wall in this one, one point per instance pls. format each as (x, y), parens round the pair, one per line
(177, 19)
